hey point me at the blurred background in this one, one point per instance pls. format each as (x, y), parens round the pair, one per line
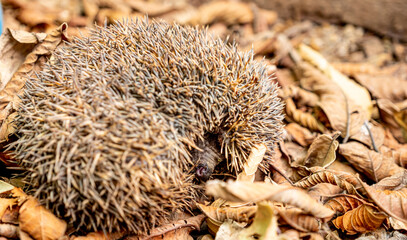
(342, 30)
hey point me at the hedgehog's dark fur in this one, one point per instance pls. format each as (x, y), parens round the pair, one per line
(109, 130)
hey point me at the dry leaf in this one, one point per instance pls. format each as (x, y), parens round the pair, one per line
(9, 231)
(259, 191)
(252, 163)
(322, 191)
(264, 225)
(344, 203)
(371, 135)
(6, 203)
(39, 222)
(33, 61)
(303, 118)
(229, 230)
(364, 218)
(343, 114)
(356, 94)
(384, 86)
(375, 165)
(392, 202)
(322, 151)
(221, 214)
(299, 134)
(343, 180)
(297, 219)
(14, 47)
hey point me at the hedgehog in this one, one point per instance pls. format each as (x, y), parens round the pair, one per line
(117, 127)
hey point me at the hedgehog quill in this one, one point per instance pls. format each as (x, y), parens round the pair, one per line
(112, 131)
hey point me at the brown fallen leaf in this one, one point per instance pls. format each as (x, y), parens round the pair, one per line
(264, 225)
(8, 231)
(14, 47)
(322, 151)
(388, 110)
(6, 203)
(220, 214)
(356, 94)
(370, 134)
(322, 191)
(343, 180)
(33, 61)
(399, 156)
(39, 222)
(301, 96)
(303, 118)
(297, 219)
(250, 166)
(344, 203)
(376, 166)
(259, 191)
(342, 113)
(362, 219)
(391, 202)
(383, 86)
(300, 134)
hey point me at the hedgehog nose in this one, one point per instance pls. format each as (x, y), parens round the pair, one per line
(202, 172)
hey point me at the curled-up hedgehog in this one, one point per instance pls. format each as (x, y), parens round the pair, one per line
(114, 130)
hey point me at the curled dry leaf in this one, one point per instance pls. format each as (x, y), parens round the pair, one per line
(392, 202)
(297, 219)
(344, 203)
(376, 166)
(322, 151)
(343, 180)
(8, 95)
(14, 47)
(364, 218)
(302, 97)
(252, 163)
(303, 118)
(220, 214)
(259, 191)
(39, 222)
